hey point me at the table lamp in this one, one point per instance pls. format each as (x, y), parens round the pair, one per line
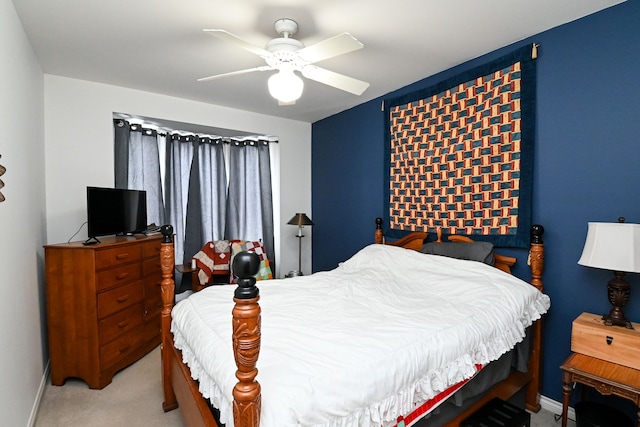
(615, 247)
(299, 219)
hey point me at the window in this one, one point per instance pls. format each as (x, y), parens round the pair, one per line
(207, 187)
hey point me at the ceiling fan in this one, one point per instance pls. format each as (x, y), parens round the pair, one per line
(288, 55)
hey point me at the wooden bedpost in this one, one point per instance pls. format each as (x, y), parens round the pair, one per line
(167, 290)
(379, 236)
(247, 400)
(536, 261)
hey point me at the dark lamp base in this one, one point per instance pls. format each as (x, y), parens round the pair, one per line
(612, 321)
(618, 292)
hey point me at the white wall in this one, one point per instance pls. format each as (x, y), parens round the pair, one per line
(79, 152)
(57, 139)
(22, 223)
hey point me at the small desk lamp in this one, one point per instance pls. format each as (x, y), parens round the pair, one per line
(616, 247)
(299, 219)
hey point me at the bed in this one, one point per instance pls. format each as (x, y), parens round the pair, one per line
(276, 382)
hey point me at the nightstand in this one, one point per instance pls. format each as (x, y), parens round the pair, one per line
(606, 377)
(193, 275)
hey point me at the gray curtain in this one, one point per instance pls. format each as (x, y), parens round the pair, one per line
(121, 152)
(137, 166)
(179, 154)
(205, 213)
(249, 203)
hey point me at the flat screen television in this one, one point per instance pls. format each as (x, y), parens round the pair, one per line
(115, 211)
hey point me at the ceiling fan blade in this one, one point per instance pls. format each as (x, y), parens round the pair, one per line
(233, 73)
(227, 36)
(334, 46)
(340, 81)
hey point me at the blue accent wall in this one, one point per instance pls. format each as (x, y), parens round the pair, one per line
(587, 166)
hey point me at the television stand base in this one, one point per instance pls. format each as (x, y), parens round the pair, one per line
(91, 241)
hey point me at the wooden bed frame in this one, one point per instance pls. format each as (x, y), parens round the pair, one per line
(181, 390)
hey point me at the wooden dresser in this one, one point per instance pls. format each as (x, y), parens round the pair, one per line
(103, 306)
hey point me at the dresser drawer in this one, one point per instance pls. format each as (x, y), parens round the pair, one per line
(120, 322)
(151, 249)
(118, 275)
(152, 307)
(121, 347)
(152, 329)
(151, 267)
(119, 298)
(119, 255)
(152, 286)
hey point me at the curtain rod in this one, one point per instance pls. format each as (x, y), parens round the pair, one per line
(164, 131)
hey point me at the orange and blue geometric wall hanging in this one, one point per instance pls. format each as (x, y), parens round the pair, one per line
(460, 154)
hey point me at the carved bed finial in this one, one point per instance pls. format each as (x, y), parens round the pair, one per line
(245, 267)
(167, 233)
(536, 233)
(246, 341)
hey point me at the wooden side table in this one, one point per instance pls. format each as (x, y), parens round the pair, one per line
(193, 274)
(606, 377)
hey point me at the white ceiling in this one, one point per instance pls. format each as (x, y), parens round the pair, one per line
(159, 46)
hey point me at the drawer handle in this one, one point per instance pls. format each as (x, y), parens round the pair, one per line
(125, 348)
(122, 256)
(122, 276)
(123, 298)
(123, 324)
(609, 340)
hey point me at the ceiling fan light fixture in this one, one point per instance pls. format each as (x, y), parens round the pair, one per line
(285, 86)
(286, 55)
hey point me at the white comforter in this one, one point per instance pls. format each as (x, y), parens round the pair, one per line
(359, 345)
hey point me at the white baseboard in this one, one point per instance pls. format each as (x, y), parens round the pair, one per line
(555, 407)
(36, 404)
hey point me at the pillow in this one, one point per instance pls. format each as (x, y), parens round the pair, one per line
(474, 251)
(237, 246)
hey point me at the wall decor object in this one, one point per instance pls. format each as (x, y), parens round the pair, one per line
(459, 154)
(2, 171)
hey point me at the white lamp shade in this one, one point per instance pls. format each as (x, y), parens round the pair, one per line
(612, 246)
(285, 86)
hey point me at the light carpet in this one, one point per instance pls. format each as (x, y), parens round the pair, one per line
(133, 399)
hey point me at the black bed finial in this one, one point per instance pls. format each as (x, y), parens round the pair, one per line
(245, 267)
(536, 233)
(167, 233)
(378, 223)
(621, 219)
